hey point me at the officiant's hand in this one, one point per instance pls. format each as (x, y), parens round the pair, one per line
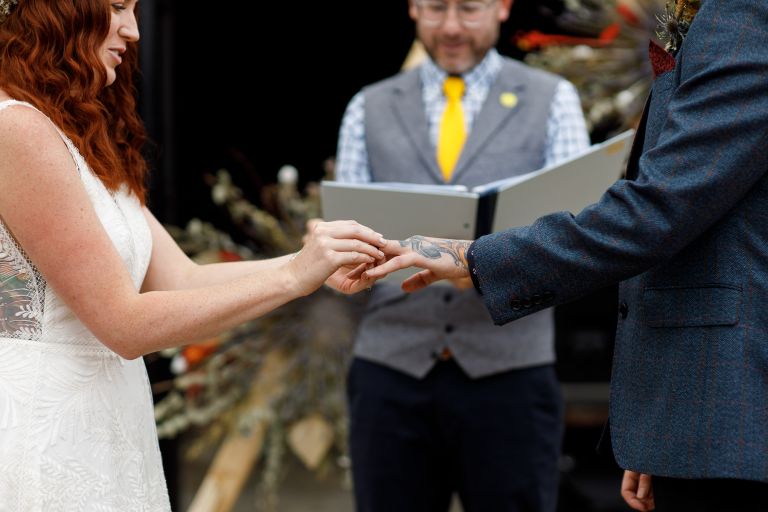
(333, 246)
(439, 257)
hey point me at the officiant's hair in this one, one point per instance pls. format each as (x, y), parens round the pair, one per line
(49, 57)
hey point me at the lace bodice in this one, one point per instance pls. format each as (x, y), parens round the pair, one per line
(76, 420)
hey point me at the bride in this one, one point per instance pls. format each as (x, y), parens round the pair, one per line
(89, 279)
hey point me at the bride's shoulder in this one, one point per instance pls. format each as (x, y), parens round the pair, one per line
(30, 143)
(21, 121)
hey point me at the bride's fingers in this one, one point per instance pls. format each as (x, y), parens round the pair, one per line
(347, 245)
(346, 229)
(313, 223)
(357, 272)
(348, 259)
(396, 263)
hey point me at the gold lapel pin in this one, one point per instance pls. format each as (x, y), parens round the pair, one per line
(508, 99)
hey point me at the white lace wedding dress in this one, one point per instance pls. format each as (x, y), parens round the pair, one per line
(77, 430)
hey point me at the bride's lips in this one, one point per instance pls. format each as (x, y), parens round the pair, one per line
(117, 54)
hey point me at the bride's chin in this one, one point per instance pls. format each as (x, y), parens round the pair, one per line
(111, 77)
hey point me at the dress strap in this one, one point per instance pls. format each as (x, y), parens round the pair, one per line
(8, 103)
(73, 151)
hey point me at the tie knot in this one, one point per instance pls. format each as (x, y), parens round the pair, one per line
(453, 87)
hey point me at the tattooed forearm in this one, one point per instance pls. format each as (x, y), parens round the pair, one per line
(434, 248)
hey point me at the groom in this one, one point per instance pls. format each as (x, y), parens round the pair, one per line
(687, 235)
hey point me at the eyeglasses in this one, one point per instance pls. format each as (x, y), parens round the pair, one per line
(469, 14)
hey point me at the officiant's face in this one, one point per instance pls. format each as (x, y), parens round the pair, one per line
(457, 34)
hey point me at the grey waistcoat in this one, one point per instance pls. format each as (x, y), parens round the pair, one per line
(406, 331)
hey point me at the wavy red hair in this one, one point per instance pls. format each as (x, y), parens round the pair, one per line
(49, 57)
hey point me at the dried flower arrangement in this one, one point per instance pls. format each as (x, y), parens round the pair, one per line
(607, 60)
(208, 397)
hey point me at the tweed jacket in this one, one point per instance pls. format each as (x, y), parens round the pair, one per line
(687, 233)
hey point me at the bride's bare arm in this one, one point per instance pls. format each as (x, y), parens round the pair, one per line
(44, 204)
(171, 269)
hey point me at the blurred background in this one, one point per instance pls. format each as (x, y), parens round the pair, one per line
(243, 102)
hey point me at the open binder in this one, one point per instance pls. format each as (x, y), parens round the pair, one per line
(399, 210)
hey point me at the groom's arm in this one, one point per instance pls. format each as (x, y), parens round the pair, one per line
(709, 154)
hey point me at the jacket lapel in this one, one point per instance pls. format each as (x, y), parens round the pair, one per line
(409, 111)
(637, 143)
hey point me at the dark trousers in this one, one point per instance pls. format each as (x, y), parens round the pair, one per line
(414, 442)
(709, 495)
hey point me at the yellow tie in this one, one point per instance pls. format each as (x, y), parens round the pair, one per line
(453, 133)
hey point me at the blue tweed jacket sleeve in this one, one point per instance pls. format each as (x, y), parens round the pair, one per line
(701, 175)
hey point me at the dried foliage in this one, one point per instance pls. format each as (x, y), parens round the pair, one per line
(605, 56)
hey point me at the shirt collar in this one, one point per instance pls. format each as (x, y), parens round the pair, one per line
(479, 77)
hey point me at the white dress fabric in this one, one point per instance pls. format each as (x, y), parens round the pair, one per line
(77, 429)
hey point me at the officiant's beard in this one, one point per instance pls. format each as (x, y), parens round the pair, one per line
(458, 49)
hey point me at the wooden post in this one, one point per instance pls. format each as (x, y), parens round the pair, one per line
(416, 56)
(239, 452)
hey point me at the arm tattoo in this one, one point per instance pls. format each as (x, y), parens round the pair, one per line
(435, 247)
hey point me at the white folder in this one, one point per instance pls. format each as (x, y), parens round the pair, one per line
(399, 210)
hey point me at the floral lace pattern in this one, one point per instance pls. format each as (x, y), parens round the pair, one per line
(21, 288)
(77, 428)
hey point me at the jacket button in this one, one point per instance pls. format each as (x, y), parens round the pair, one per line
(537, 300)
(516, 304)
(623, 310)
(447, 298)
(449, 328)
(527, 303)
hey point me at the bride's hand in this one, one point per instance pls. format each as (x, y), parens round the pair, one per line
(351, 279)
(331, 250)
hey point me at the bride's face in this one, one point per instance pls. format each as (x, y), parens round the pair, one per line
(123, 29)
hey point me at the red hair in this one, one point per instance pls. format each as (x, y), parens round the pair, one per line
(49, 57)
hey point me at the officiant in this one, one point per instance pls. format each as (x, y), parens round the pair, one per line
(441, 400)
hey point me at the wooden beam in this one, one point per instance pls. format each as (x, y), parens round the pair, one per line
(239, 452)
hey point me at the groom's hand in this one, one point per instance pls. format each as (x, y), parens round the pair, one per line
(439, 257)
(637, 491)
